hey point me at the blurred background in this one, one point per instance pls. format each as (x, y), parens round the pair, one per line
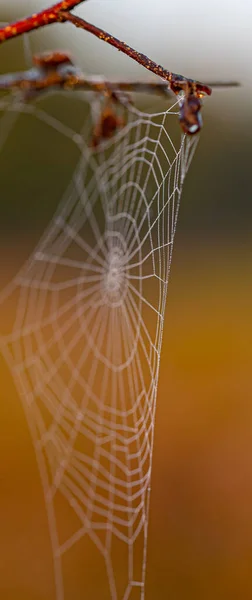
(200, 533)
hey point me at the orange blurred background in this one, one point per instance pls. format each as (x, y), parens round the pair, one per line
(200, 531)
(200, 528)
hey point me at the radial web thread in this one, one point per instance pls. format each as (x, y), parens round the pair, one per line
(84, 348)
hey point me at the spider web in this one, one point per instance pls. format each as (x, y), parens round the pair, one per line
(85, 343)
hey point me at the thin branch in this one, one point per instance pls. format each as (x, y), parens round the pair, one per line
(177, 82)
(43, 18)
(59, 12)
(48, 72)
(57, 70)
(66, 75)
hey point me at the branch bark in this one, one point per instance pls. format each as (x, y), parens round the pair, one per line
(60, 12)
(43, 18)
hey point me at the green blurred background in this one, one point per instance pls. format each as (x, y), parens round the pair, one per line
(200, 533)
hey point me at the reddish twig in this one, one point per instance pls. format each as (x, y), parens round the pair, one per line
(190, 104)
(60, 13)
(57, 70)
(177, 82)
(41, 19)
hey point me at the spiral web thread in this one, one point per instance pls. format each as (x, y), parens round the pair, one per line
(85, 344)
